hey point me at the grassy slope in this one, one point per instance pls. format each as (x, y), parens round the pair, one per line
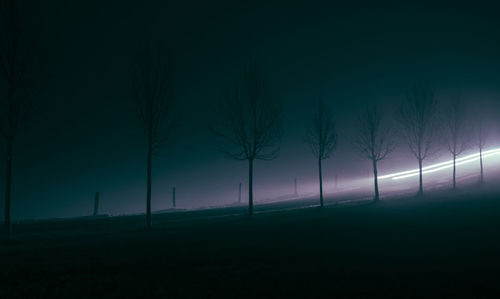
(440, 245)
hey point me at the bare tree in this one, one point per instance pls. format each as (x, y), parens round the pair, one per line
(17, 80)
(373, 140)
(481, 134)
(322, 138)
(249, 124)
(154, 105)
(417, 116)
(456, 132)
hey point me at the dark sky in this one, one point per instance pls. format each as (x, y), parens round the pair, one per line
(84, 136)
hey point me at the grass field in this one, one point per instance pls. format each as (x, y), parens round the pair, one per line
(441, 245)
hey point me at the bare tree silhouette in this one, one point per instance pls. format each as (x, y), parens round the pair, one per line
(417, 116)
(18, 59)
(456, 137)
(322, 138)
(155, 106)
(249, 125)
(373, 140)
(481, 134)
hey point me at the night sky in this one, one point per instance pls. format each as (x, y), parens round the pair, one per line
(84, 137)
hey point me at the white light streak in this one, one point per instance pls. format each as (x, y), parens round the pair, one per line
(441, 166)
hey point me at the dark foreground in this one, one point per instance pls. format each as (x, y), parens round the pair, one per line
(443, 245)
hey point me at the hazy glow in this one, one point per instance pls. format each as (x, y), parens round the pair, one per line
(440, 166)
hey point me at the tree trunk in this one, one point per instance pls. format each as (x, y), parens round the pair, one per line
(481, 163)
(8, 184)
(320, 183)
(173, 197)
(454, 172)
(250, 187)
(96, 204)
(8, 176)
(239, 193)
(375, 180)
(148, 195)
(420, 187)
(295, 192)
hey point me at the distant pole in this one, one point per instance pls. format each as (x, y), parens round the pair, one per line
(173, 197)
(239, 192)
(295, 187)
(96, 204)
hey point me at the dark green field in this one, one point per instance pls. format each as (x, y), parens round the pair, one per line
(439, 245)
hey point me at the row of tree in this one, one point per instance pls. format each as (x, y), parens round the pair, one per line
(248, 121)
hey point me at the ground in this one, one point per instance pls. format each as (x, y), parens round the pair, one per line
(439, 245)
